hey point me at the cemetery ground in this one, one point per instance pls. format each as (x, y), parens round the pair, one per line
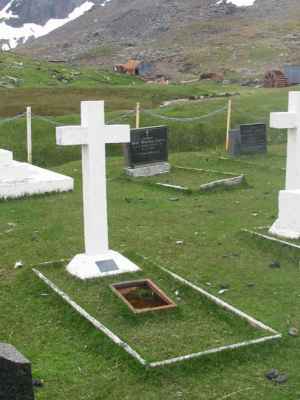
(197, 236)
(76, 361)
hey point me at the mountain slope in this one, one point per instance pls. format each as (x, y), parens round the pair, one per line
(24, 19)
(181, 38)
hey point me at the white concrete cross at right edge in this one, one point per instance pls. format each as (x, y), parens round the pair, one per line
(288, 222)
(291, 120)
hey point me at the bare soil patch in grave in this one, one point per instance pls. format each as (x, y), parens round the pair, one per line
(143, 296)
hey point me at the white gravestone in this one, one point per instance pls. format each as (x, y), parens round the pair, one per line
(18, 179)
(93, 135)
(288, 222)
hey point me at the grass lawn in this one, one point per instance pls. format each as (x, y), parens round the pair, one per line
(78, 362)
(74, 359)
(196, 323)
(184, 178)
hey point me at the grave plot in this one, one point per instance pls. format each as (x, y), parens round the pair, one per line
(18, 179)
(193, 180)
(274, 160)
(197, 324)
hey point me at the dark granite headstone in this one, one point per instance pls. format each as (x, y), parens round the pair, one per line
(253, 138)
(15, 375)
(249, 139)
(147, 146)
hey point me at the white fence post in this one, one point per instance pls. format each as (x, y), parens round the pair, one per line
(29, 136)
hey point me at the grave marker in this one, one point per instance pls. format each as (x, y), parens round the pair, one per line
(248, 139)
(18, 179)
(98, 260)
(288, 223)
(147, 152)
(15, 375)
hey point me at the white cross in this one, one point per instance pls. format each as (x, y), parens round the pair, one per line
(93, 135)
(291, 121)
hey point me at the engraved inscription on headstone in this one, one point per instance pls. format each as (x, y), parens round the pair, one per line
(248, 139)
(15, 375)
(147, 152)
(107, 266)
(253, 138)
(147, 145)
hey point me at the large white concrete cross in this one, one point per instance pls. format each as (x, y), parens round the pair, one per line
(291, 120)
(93, 135)
(288, 222)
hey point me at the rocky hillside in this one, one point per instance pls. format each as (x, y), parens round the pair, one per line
(39, 12)
(21, 20)
(182, 38)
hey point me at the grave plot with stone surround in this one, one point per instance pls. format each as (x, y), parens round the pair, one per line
(185, 179)
(196, 325)
(217, 256)
(19, 179)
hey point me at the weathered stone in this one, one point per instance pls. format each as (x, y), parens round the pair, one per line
(15, 375)
(272, 374)
(294, 332)
(148, 170)
(275, 265)
(281, 379)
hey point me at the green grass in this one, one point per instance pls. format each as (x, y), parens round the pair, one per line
(22, 72)
(196, 323)
(192, 180)
(76, 361)
(62, 106)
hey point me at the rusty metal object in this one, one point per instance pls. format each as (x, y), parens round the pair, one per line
(130, 68)
(214, 76)
(275, 79)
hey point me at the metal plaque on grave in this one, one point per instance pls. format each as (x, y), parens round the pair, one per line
(107, 266)
(253, 138)
(147, 146)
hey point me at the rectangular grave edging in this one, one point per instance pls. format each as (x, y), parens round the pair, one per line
(118, 341)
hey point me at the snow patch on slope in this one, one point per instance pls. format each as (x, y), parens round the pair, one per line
(6, 13)
(16, 35)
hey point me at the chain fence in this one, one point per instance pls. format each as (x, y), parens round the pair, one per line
(187, 133)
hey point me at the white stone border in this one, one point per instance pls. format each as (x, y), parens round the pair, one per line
(91, 319)
(274, 335)
(271, 238)
(232, 180)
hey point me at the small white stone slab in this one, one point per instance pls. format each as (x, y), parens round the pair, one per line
(5, 156)
(84, 266)
(18, 179)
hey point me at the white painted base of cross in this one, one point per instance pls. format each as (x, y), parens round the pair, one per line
(98, 260)
(288, 223)
(110, 263)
